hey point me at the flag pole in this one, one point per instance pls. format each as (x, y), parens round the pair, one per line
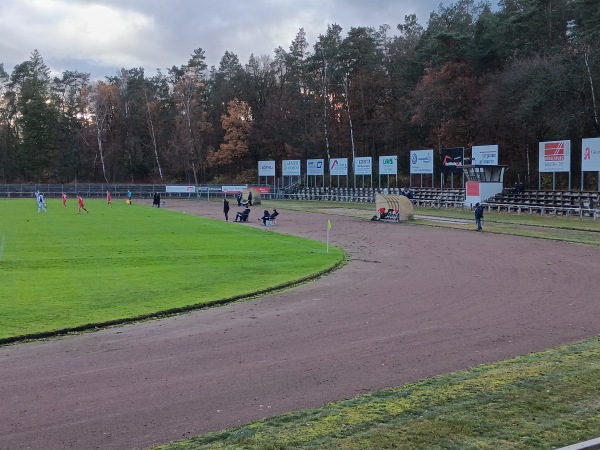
(328, 228)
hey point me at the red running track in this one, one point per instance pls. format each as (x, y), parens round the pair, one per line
(414, 302)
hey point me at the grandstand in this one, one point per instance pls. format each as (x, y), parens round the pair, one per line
(433, 197)
(567, 203)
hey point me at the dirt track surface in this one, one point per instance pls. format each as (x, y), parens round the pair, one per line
(414, 302)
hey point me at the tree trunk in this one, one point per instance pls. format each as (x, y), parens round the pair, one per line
(99, 137)
(153, 135)
(350, 122)
(325, 129)
(587, 65)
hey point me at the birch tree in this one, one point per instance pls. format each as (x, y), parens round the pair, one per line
(103, 100)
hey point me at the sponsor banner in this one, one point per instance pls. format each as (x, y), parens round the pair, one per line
(590, 155)
(472, 188)
(452, 159)
(388, 165)
(239, 188)
(421, 161)
(290, 167)
(363, 165)
(338, 166)
(485, 155)
(262, 189)
(266, 168)
(315, 167)
(555, 156)
(180, 189)
(209, 189)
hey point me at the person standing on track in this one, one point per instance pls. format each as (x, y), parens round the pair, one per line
(478, 215)
(226, 209)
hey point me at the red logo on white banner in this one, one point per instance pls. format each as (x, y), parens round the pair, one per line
(554, 151)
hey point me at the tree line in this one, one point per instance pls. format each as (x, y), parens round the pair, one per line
(524, 73)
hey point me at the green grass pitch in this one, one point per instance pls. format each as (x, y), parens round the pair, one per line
(61, 270)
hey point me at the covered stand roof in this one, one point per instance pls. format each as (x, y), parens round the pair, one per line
(484, 173)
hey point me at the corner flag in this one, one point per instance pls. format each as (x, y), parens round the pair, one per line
(328, 228)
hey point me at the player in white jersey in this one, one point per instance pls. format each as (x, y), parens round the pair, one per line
(41, 202)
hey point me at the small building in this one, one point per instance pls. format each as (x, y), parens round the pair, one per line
(482, 182)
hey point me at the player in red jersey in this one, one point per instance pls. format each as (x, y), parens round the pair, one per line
(64, 199)
(81, 205)
(108, 198)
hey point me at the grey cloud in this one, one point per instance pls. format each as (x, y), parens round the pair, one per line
(172, 29)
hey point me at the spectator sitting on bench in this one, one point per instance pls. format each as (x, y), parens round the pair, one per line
(242, 216)
(274, 214)
(383, 214)
(266, 216)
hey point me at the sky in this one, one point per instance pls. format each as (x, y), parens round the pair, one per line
(102, 36)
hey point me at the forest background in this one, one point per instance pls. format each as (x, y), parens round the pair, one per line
(524, 73)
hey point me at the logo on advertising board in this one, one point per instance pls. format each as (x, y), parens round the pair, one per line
(486, 158)
(363, 166)
(426, 159)
(590, 157)
(180, 189)
(421, 161)
(234, 188)
(452, 159)
(554, 151)
(290, 167)
(555, 156)
(388, 165)
(315, 167)
(339, 166)
(266, 168)
(485, 155)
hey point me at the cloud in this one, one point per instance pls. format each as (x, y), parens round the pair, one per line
(101, 36)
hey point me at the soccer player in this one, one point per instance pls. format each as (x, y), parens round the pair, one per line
(108, 198)
(81, 205)
(41, 202)
(64, 199)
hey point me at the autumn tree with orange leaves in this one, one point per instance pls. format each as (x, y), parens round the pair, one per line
(233, 154)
